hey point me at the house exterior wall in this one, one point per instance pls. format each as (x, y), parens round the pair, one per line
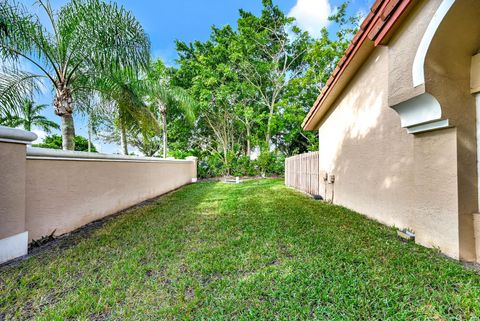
(447, 77)
(372, 175)
(402, 50)
(434, 213)
(425, 181)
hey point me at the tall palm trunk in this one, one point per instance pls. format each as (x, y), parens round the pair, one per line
(27, 111)
(68, 132)
(123, 139)
(90, 134)
(163, 113)
(62, 103)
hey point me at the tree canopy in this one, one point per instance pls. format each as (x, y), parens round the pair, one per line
(235, 100)
(255, 83)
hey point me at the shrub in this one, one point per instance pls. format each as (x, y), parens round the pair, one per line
(55, 142)
(244, 166)
(240, 165)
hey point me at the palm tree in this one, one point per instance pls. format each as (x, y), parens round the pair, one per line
(164, 96)
(88, 39)
(125, 91)
(28, 116)
(9, 119)
(31, 116)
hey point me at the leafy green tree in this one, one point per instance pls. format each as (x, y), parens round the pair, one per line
(55, 142)
(254, 84)
(85, 40)
(270, 53)
(302, 91)
(207, 70)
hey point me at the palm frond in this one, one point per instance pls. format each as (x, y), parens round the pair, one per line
(118, 42)
(15, 86)
(24, 36)
(172, 97)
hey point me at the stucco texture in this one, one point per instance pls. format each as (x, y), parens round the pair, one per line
(63, 195)
(426, 182)
(12, 189)
(363, 145)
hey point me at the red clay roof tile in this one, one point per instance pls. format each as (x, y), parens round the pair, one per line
(367, 20)
(376, 5)
(391, 5)
(335, 71)
(342, 61)
(357, 36)
(376, 29)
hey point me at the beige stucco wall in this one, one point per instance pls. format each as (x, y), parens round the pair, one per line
(434, 212)
(402, 49)
(363, 145)
(426, 181)
(63, 195)
(12, 189)
(447, 77)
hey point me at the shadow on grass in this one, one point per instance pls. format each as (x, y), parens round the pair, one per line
(255, 250)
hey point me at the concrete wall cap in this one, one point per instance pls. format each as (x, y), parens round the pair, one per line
(46, 153)
(16, 135)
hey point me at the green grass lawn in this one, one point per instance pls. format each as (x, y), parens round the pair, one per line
(251, 251)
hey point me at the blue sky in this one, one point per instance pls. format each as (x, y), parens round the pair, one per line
(189, 20)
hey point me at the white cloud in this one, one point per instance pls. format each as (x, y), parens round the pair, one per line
(41, 136)
(312, 15)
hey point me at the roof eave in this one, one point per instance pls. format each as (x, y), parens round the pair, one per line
(376, 29)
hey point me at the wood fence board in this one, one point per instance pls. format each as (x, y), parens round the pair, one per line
(302, 172)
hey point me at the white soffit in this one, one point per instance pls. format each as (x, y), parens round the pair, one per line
(417, 110)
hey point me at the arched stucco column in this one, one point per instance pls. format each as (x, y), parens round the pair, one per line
(447, 71)
(434, 103)
(422, 112)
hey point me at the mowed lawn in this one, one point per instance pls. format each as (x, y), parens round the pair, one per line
(252, 251)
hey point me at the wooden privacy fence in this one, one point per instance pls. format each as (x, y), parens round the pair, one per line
(302, 172)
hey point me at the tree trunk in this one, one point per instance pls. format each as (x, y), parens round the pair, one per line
(248, 140)
(225, 156)
(123, 139)
(27, 115)
(68, 132)
(62, 104)
(162, 108)
(268, 136)
(89, 134)
(164, 128)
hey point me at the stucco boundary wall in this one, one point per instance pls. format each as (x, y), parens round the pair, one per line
(46, 191)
